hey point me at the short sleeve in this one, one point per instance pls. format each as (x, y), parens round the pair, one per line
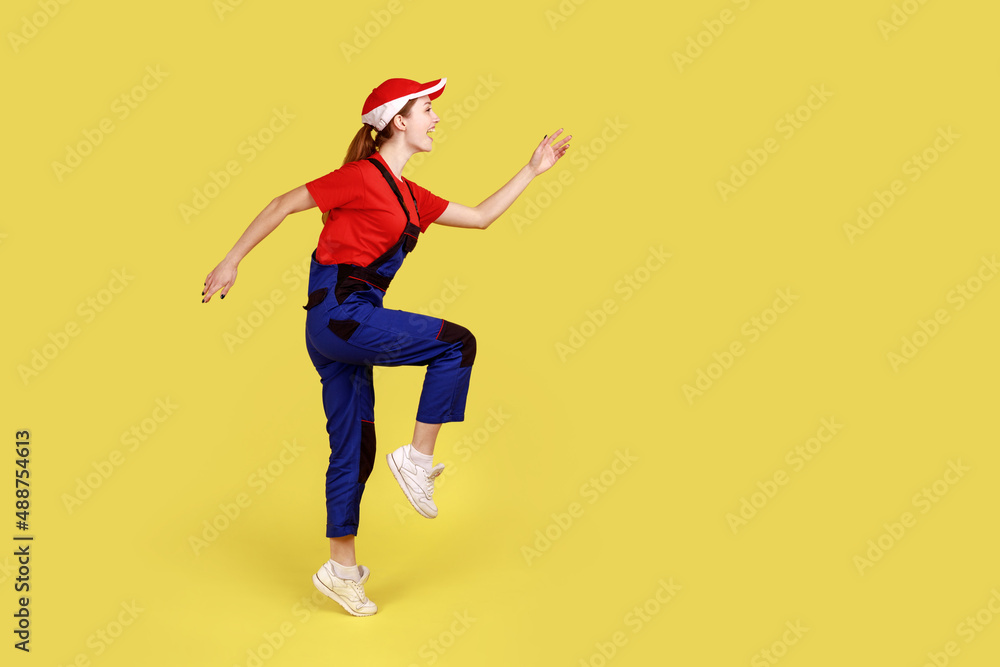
(339, 188)
(431, 206)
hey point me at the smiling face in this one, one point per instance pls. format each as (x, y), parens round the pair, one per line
(415, 129)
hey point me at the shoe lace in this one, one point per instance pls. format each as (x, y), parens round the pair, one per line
(359, 590)
(428, 479)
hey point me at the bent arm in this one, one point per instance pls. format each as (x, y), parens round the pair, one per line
(222, 277)
(482, 216)
(268, 220)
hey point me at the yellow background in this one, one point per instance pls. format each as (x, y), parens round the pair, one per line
(525, 286)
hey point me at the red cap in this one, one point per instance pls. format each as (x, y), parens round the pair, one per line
(389, 97)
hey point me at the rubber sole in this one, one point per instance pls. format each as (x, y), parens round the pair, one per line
(402, 484)
(321, 587)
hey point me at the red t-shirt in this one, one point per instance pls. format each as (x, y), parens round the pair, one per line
(365, 217)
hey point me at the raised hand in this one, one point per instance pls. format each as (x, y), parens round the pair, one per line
(547, 153)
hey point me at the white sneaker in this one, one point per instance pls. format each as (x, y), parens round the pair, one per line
(417, 483)
(347, 593)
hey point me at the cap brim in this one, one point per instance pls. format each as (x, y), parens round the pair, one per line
(432, 89)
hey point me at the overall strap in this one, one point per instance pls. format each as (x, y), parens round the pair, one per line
(392, 184)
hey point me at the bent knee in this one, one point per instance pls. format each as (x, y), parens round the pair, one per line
(455, 333)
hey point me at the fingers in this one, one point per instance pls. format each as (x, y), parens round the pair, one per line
(549, 138)
(209, 291)
(560, 146)
(562, 143)
(211, 286)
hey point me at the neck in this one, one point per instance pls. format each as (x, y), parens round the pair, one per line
(395, 155)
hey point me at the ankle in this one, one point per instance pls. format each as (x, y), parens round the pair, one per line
(422, 448)
(352, 572)
(422, 459)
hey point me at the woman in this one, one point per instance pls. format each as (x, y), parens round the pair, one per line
(372, 218)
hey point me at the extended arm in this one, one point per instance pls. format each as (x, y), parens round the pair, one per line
(482, 216)
(224, 275)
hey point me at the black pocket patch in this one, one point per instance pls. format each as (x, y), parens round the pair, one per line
(316, 298)
(367, 451)
(343, 328)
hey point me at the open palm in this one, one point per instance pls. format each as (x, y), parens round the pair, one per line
(547, 153)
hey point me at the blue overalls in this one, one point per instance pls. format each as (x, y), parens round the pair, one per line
(347, 333)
